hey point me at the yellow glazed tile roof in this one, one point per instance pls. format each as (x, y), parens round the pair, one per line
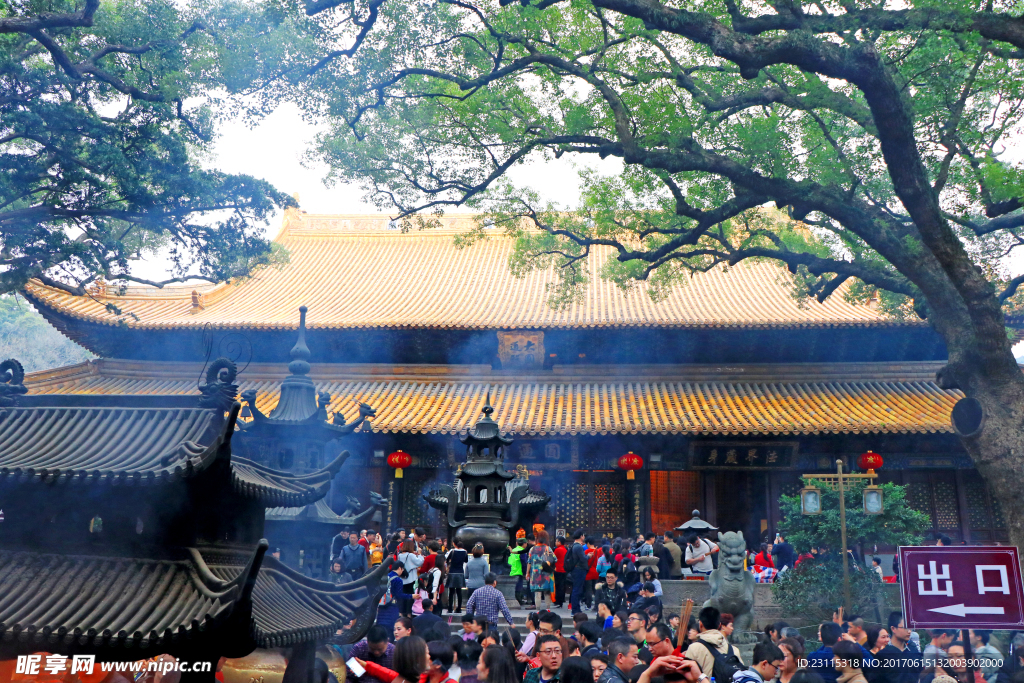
(790, 399)
(352, 272)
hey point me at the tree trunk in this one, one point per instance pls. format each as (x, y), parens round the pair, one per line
(998, 450)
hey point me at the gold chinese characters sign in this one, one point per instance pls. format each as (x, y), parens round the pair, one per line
(521, 349)
(743, 455)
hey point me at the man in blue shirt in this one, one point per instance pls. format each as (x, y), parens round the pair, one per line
(822, 661)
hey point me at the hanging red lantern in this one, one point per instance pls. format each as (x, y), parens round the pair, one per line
(629, 462)
(870, 461)
(399, 459)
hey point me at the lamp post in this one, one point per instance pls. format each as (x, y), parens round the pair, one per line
(842, 535)
(810, 504)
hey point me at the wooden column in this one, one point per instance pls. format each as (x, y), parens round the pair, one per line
(392, 518)
(961, 500)
(634, 494)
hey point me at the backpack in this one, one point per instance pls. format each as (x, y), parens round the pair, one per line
(387, 598)
(569, 561)
(628, 567)
(547, 565)
(726, 665)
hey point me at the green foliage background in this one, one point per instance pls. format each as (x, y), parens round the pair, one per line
(26, 336)
(815, 589)
(899, 524)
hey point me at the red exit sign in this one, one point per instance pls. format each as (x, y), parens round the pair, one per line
(961, 587)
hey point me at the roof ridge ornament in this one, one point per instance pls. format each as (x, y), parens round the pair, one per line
(220, 389)
(12, 382)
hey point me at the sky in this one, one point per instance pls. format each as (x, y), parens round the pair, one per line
(273, 151)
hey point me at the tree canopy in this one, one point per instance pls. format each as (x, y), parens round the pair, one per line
(899, 524)
(881, 130)
(105, 115)
(844, 114)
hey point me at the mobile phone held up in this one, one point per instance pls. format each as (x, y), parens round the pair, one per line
(355, 667)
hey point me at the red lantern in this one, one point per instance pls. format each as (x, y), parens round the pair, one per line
(870, 461)
(629, 462)
(398, 460)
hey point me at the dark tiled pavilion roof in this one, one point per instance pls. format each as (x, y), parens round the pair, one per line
(140, 446)
(290, 608)
(283, 489)
(107, 445)
(69, 603)
(319, 511)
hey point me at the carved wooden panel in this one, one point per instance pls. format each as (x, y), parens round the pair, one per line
(674, 497)
(609, 506)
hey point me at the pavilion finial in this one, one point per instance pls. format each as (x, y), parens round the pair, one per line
(487, 409)
(300, 352)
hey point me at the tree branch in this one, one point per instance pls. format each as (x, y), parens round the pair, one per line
(47, 20)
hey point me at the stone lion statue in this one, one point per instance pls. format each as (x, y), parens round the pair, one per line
(732, 588)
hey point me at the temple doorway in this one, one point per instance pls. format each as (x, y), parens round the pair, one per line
(742, 504)
(592, 499)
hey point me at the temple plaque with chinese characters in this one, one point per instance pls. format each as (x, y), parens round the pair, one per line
(743, 455)
(521, 349)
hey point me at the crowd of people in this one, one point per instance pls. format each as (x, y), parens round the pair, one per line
(631, 646)
(579, 572)
(549, 572)
(620, 632)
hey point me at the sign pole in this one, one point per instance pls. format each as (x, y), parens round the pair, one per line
(965, 635)
(842, 530)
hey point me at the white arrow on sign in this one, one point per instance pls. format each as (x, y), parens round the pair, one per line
(962, 610)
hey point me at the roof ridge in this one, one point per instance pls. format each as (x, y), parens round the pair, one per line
(327, 372)
(422, 280)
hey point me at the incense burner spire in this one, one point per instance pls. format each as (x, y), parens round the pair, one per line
(298, 393)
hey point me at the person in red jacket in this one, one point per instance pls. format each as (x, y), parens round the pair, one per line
(560, 551)
(592, 575)
(763, 559)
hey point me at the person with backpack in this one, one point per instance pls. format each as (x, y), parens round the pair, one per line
(411, 561)
(767, 660)
(388, 608)
(711, 650)
(431, 584)
(353, 557)
(698, 554)
(630, 576)
(604, 562)
(541, 563)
